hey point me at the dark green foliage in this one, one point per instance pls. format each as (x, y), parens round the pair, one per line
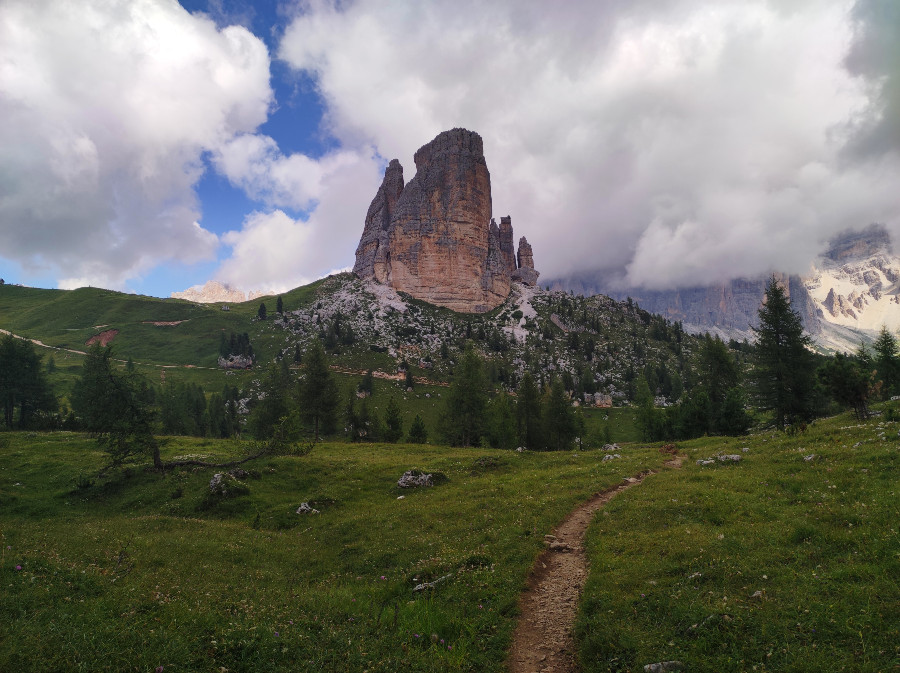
(417, 432)
(114, 408)
(886, 362)
(530, 432)
(501, 422)
(261, 313)
(279, 305)
(318, 392)
(276, 401)
(463, 421)
(393, 422)
(783, 374)
(559, 418)
(848, 382)
(367, 385)
(24, 390)
(237, 344)
(183, 409)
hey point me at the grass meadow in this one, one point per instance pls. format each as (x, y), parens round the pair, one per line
(775, 563)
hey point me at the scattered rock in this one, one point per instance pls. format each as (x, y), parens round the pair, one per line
(730, 457)
(305, 508)
(610, 447)
(239, 473)
(810, 457)
(610, 456)
(235, 362)
(415, 479)
(664, 667)
(225, 485)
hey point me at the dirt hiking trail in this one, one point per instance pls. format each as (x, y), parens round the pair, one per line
(543, 640)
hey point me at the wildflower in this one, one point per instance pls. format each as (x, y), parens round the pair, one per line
(159, 669)
(18, 567)
(383, 577)
(277, 635)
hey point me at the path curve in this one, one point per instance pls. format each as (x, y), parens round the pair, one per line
(543, 640)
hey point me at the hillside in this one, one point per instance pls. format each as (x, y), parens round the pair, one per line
(784, 561)
(598, 345)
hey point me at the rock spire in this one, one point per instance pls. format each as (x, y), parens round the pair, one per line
(434, 238)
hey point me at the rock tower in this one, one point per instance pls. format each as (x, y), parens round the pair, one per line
(434, 238)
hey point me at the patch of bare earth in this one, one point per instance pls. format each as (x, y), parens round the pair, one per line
(543, 640)
(158, 323)
(103, 338)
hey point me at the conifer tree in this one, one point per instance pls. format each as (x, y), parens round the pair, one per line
(393, 422)
(417, 432)
(783, 373)
(559, 417)
(528, 414)
(279, 305)
(886, 361)
(318, 392)
(113, 407)
(463, 421)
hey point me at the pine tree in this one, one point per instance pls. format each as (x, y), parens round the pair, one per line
(261, 313)
(886, 361)
(559, 417)
(417, 432)
(113, 407)
(528, 414)
(318, 392)
(279, 305)
(502, 422)
(393, 423)
(783, 373)
(23, 383)
(463, 421)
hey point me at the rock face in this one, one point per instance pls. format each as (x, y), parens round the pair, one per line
(434, 238)
(525, 273)
(372, 259)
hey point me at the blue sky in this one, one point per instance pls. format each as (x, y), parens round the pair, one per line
(148, 146)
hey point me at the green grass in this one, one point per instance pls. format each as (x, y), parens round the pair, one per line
(677, 564)
(141, 570)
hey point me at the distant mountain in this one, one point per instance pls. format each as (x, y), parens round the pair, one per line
(213, 292)
(851, 291)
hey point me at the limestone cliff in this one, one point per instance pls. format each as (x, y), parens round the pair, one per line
(434, 238)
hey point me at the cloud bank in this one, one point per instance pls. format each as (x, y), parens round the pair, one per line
(107, 109)
(662, 142)
(668, 143)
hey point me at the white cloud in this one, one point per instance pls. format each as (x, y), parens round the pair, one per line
(255, 164)
(107, 108)
(669, 142)
(274, 252)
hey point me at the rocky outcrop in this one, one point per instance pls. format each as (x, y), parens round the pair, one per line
(372, 258)
(434, 238)
(506, 244)
(525, 273)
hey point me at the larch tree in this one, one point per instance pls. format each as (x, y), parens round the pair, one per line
(783, 375)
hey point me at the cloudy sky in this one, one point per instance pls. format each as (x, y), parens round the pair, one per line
(147, 145)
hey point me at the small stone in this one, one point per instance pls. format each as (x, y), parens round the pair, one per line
(305, 508)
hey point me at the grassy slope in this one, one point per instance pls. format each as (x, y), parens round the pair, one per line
(136, 573)
(676, 567)
(125, 574)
